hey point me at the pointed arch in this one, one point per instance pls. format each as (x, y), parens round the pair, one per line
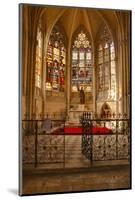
(105, 66)
(105, 110)
(56, 60)
(81, 55)
(38, 60)
(80, 28)
(107, 24)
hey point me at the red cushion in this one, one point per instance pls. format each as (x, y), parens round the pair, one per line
(95, 130)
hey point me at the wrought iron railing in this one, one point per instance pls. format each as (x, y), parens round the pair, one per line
(40, 147)
(54, 116)
(55, 149)
(112, 142)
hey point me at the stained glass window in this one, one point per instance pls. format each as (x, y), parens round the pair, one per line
(56, 61)
(38, 66)
(82, 70)
(106, 67)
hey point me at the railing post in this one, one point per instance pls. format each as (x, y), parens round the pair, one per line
(91, 148)
(64, 152)
(104, 141)
(117, 125)
(129, 139)
(36, 141)
(87, 137)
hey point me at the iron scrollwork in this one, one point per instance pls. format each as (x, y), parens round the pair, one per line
(106, 146)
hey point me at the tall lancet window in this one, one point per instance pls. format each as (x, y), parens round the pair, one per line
(82, 70)
(106, 68)
(56, 62)
(38, 66)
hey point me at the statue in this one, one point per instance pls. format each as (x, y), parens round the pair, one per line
(82, 96)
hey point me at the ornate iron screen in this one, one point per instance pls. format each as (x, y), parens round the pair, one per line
(111, 141)
(101, 140)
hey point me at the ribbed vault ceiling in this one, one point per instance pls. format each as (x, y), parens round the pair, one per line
(71, 18)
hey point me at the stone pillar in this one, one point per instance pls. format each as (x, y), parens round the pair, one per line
(29, 78)
(31, 21)
(23, 59)
(68, 79)
(124, 65)
(128, 54)
(43, 68)
(94, 89)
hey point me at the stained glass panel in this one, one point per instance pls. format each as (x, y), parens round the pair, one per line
(112, 55)
(106, 58)
(38, 65)
(106, 45)
(49, 52)
(112, 67)
(100, 54)
(81, 55)
(88, 55)
(113, 80)
(106, 51)
(56, 61)
(106, 68)
(56, 54)
(82, 63)
(63, 55)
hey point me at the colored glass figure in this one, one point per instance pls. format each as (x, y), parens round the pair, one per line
(56, 54)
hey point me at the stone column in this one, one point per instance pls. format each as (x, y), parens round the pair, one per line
(43, 69)
(23, 59)
(68, 79)
(124, 67)
(94, 89)
(32, 23)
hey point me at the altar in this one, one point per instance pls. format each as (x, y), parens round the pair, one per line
(75, 113)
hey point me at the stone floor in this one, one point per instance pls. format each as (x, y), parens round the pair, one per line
(96, 178)
(75, 174)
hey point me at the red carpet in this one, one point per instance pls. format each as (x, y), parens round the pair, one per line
(94, 131)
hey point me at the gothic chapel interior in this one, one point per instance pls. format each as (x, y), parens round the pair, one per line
(66, 49)
(75, 63)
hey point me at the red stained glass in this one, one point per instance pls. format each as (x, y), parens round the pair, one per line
(56, 61)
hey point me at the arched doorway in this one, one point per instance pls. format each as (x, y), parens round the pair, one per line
(105, 111)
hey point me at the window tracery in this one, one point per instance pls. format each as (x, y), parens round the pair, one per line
(38, 65)
(82, 70)
(106, 67)
(56, 61)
